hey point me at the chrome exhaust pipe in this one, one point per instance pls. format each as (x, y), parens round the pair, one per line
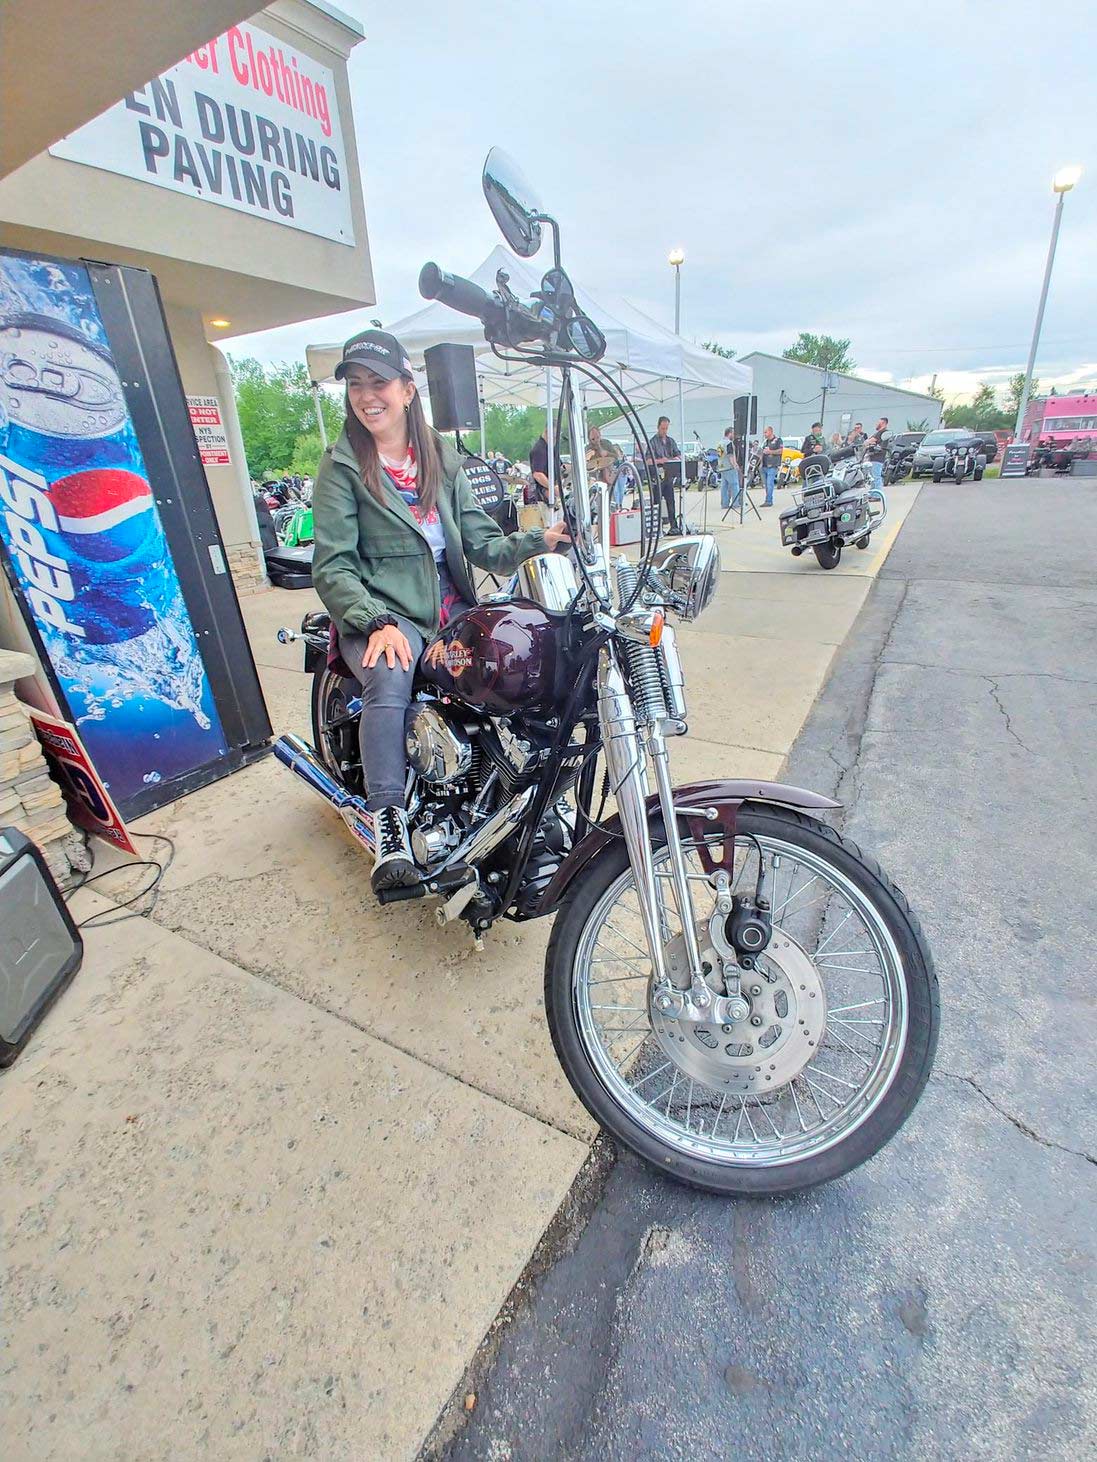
(301, 759)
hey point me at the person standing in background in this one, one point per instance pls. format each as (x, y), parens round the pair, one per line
(814, 438)
(856, 435)
(664, 449)
(730, 489)
(876, 451)
(772, 447)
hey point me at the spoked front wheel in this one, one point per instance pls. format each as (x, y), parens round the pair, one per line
(836, 1036)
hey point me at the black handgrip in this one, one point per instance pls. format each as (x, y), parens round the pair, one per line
(460, 294)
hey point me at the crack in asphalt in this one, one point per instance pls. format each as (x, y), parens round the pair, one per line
(1021, 1126)
(849, 770)
(1009, 724)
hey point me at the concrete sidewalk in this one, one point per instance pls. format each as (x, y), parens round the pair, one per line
(277, 1159)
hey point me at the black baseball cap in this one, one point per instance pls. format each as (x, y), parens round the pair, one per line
(380, 351)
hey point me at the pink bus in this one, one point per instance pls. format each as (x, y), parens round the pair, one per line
(1061, 419)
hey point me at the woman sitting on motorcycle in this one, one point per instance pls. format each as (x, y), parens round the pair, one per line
(394, 521)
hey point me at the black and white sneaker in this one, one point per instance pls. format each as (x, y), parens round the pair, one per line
(394, 865)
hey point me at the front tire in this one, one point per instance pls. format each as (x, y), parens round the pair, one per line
(828, 554)
(790, 1145)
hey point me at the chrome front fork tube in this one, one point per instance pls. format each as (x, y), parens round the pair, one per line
(679, 880)
(625, 760)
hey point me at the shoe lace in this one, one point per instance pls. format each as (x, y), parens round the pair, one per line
(391, 832)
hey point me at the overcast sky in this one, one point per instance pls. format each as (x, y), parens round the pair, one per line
(877, 170)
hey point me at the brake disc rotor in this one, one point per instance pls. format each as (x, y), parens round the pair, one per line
(775, 1039)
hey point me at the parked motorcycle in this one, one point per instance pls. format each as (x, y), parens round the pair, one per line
(837, 506)
(900, 461)
(960, 457)
(735, 991)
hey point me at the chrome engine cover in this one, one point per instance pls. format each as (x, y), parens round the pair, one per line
(438, 750)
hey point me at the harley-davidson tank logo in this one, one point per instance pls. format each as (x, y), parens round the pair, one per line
(458, 657)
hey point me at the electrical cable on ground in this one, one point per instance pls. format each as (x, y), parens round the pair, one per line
(101, 920)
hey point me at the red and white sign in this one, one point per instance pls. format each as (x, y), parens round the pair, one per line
(88, 801)
(209, 430)
(244, 121)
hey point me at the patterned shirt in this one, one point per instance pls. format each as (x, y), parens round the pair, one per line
(405, 478)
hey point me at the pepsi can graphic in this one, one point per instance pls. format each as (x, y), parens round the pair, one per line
(85, 545)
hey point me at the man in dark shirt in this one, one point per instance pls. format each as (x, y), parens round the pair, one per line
(772, 447)
(815, 435)
(668, 463)
(538, 467)
(876, 451)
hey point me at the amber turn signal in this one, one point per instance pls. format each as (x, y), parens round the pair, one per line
(657, 621)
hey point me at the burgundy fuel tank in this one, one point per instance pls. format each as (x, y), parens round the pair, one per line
(499, 658)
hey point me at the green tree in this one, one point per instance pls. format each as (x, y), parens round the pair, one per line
(1014, 390)
(307, 451)
(922, 424)
(981, 413)
(821, 350)
(274, 404)
(716, 348)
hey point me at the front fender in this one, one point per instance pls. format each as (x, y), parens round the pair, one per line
(725, 796)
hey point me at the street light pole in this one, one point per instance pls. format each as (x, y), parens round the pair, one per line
(1062, 183)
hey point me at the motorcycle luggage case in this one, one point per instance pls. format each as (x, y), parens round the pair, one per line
(851, 512)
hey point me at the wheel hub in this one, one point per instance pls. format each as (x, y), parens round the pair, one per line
(772, 1030)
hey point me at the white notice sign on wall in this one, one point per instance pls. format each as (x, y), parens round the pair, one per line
(244, 121)
(209, 430)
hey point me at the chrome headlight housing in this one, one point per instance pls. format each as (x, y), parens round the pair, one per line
(689, 569)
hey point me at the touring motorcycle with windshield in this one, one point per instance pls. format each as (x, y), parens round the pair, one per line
(735, 991)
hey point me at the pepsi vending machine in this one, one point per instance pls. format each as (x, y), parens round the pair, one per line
(108, 534)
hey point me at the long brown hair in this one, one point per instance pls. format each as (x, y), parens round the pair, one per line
(423, 442)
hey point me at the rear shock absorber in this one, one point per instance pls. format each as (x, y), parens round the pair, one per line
(643, 661)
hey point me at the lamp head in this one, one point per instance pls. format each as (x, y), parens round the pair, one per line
(676, 257)
(1065, 179)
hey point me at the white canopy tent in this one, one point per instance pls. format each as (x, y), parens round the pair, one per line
(649, 361)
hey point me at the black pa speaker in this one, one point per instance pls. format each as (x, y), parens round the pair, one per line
(451, 386)
(739, 406)
(41, 948)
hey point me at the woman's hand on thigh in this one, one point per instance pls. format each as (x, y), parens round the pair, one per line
(390, 642)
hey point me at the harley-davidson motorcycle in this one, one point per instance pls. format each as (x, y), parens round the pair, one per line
(736, 992)
(837, 506)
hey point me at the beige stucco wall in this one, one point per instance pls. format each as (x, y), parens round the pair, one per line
(252, 271)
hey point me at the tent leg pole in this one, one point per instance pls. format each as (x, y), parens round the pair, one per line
(319, 415)
(483, 417)
(681, 457)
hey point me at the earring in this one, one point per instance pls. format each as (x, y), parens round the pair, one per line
(407, 407)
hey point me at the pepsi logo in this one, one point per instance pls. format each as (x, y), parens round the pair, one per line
(106, 507)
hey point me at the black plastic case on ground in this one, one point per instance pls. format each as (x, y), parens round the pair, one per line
(40, 946)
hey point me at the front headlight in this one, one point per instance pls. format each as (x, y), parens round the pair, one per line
(690, 570)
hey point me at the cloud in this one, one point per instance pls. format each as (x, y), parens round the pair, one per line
(885, 178)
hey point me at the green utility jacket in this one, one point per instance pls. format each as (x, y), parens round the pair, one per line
(372, 558)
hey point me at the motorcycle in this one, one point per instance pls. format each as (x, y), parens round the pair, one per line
(959, 458)
(899, 464)
(837, 506)
(735, 991)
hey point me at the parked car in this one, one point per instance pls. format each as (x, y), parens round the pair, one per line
(906, 438)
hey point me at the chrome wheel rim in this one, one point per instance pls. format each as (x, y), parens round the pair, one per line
(853, 1063)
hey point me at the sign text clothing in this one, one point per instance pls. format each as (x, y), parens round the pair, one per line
(244, 121)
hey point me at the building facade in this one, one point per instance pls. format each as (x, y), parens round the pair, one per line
(790, 398)
(233, 177)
